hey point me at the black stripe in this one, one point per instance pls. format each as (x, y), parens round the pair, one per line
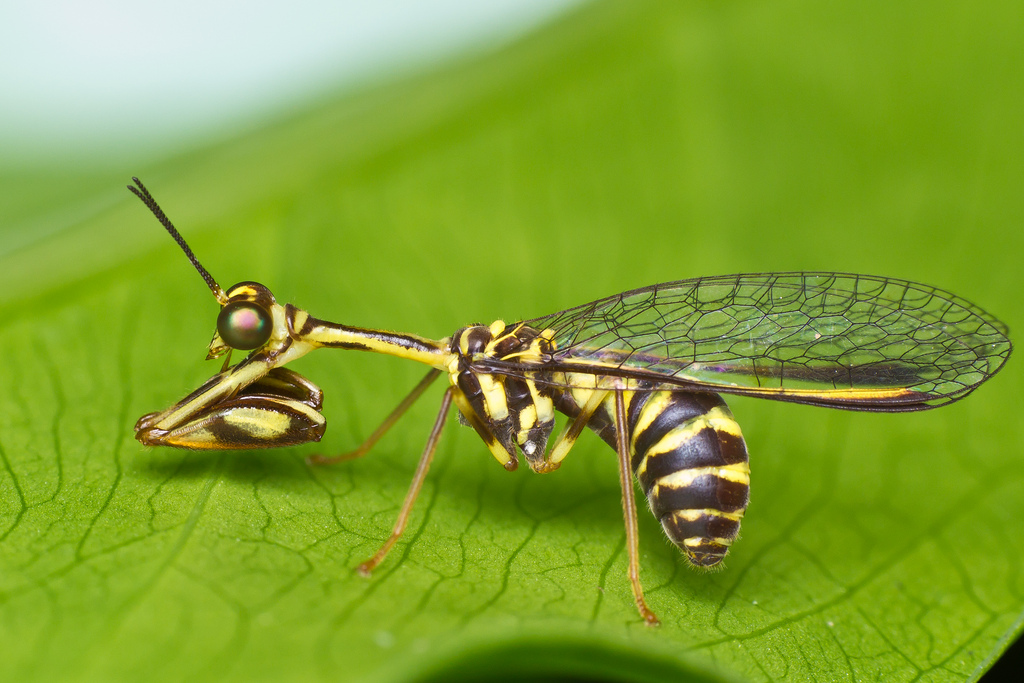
(352, 346)
(707, 491)
(636, 406)
(732, 449)
(469, 384)
(633, 413)
(603, 424)
(290, 313)
(476, 340)
(565, 403)
(705, 526)
(517, 393)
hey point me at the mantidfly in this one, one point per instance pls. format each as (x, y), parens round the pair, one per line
(643, 369)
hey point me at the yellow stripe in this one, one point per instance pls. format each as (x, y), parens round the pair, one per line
(694, 541)
(494, 396)
(247, 290)
(527, 420)
(582, 383)
(695, 515)
(259, 423)
(656, 405)
(194, 439)
(641, 469)
(320, 335)
(716, 418)
(531, 353)
(545, 406)
(855, 394)
(738, 473)
(862, 394)
(300, 319)
(720, 419)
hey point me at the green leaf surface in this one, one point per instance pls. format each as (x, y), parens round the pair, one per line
(629, 143)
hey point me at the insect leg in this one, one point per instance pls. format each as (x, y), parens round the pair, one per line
(388, 423)
(414, 488)
(629, 510)
(567, 439)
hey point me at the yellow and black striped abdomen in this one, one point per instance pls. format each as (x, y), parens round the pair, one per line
(691, 461)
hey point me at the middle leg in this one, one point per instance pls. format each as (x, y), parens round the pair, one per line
(629, 510)
(414, 488)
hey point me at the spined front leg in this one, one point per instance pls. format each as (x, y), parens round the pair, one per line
(281, 408)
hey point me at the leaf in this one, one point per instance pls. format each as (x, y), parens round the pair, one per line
(626, 144)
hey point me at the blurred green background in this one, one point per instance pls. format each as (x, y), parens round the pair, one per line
(622, 144)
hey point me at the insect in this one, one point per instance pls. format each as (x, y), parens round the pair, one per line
(645, 370)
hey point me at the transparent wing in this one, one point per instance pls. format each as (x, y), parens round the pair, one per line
(849, 341)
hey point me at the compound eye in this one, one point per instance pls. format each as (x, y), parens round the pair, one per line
(243, 325)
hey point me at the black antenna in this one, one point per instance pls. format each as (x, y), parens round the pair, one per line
(142, 193)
